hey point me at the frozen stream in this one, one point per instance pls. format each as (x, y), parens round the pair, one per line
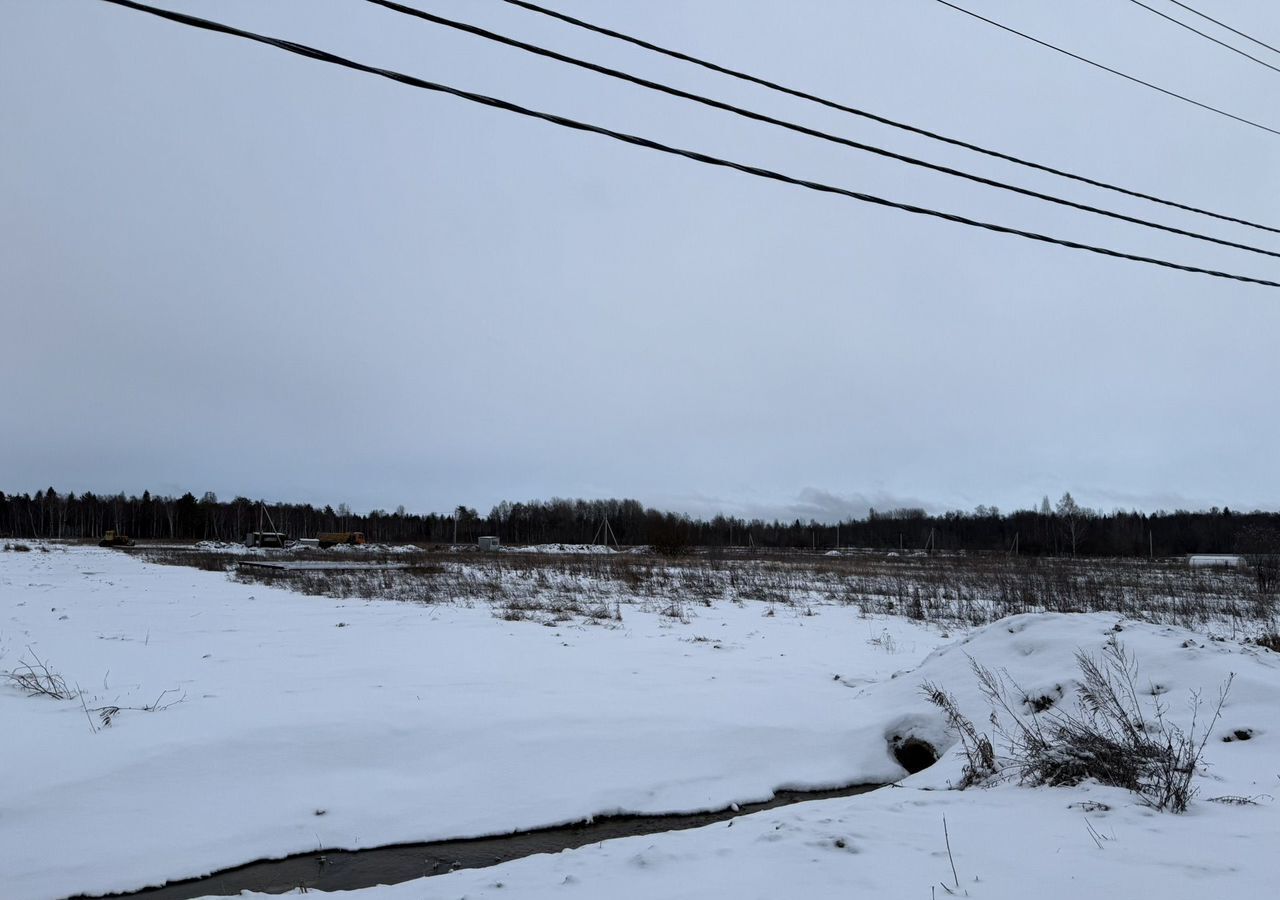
(342, 870)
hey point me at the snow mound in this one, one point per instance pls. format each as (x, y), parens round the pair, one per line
(1038, 653)
(222, 547)
(241, 550)
(563, 549)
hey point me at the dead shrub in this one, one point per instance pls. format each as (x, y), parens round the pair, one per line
(1271, 641)
(210, 562)
(36, 678)
(1111, 736)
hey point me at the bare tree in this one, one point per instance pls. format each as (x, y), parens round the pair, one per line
(1073, 519)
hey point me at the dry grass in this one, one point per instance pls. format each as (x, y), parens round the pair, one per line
(1111, 735)
(949, 591)
(1270, 640)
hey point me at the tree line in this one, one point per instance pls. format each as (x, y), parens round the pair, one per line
(1064, 528)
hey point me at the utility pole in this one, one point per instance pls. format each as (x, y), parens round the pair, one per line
(603, 533)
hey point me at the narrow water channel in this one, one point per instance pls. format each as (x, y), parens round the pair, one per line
(345, 870)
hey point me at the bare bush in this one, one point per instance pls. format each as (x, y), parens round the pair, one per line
(1111, 736)
(1270, 640)
(39, 680)
(1266, 573)
(106, 715)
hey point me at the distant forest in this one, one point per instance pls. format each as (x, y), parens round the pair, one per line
(1062, 529)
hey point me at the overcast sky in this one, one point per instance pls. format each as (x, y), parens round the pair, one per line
(223, 267)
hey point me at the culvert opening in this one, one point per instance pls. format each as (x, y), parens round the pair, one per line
(913, 754)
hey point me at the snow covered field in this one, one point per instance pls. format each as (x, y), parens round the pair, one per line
(561, 549)
(405, 722)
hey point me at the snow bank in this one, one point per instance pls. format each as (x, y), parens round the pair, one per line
(561, 549)
(1038, 652)
(241, 549)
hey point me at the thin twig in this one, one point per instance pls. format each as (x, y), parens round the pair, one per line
(946, 835)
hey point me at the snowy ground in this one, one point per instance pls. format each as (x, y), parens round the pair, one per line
(561, 549)
(411, 722)
(401, 721)
(238, 549)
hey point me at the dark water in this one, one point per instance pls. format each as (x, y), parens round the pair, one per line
(344, 870)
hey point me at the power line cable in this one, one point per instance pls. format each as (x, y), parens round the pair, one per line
(496, 103)
(874, 117)
(1225, 25)
(1207, 37)
(802, 129)
(1098, 65)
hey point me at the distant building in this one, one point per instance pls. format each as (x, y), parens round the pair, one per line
(1215, 561)
(488, 543)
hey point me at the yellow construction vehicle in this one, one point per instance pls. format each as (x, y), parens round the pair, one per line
(114, 538)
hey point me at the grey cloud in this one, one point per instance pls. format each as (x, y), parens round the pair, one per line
(225, 268)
